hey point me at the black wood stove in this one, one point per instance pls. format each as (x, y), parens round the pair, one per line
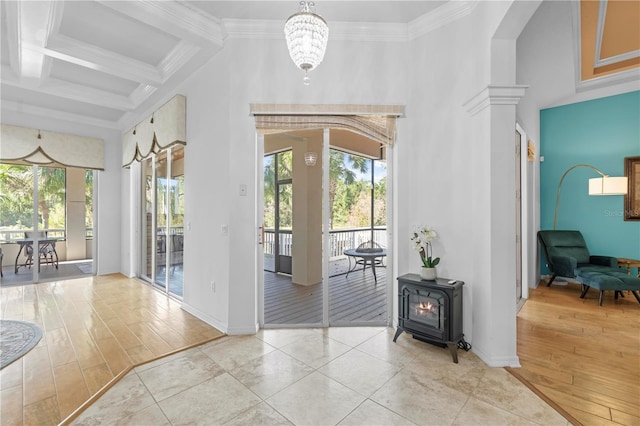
(431, 311)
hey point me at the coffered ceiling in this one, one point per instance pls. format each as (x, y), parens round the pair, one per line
(104, 63)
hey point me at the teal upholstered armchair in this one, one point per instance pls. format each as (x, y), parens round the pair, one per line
(565, 251)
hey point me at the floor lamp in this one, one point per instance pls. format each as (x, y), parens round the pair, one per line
(604, 185)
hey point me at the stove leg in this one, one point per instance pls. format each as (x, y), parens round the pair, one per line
(398, 333)
(453, 348)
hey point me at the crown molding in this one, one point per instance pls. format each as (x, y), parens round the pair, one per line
(357, 31)
(141, 94)
(443, 15)
(176, 18)
(175, 60)
(369, 31)
(253, 29)
(609, 80)
(354, 31)
(19, 108)
(594, 93)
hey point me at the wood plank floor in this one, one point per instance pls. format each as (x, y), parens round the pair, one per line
(583, 357)
(353, 299)
(93, 328)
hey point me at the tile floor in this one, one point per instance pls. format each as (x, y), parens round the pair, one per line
(330, 376)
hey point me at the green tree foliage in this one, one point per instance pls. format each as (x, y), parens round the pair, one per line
(284, 163)
(342, 168)
(269, 191)
(349, 191)
(88, 194)
(380, 203)
(16, 197)
(51, 197)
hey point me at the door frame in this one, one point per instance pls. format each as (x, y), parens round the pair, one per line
(391, 260)
(524, 212)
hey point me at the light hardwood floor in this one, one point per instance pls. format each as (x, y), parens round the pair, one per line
(583, 357)
(93, 329)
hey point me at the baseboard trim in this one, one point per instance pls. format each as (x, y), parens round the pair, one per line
(202, 316)
(501, 361)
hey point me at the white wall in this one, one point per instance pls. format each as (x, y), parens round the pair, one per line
(108, 212)
(207, 253)
(458, 176)
(221, 154)
(451, 174)
(435, 173)
(439, 73)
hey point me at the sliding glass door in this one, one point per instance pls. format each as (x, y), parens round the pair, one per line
(46, 223)
(325, 230)
(162, 180)
(358, 238)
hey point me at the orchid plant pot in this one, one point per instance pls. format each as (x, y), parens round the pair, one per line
(428, 274)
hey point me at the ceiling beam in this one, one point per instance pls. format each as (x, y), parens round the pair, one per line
(12, 28)
(37, 21)
(76, 92)
(96, 58)
(19, 107)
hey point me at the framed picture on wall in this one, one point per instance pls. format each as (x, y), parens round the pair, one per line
(632, 198)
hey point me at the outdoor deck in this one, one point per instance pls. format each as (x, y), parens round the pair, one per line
(356, 299)
(66, 270)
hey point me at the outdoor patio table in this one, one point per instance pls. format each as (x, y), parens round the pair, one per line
(361, 257)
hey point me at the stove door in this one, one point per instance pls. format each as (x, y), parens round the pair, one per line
(426, 312)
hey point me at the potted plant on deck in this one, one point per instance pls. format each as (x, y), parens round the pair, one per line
(421, 239)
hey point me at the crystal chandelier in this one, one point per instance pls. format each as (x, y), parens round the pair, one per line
(306, 35)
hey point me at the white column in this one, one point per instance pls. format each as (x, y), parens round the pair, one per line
(76, 201)
(493, 215)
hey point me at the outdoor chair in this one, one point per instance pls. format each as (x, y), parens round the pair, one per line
(45, 251)
(177, 251)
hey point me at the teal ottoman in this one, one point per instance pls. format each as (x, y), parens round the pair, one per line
(605, 278)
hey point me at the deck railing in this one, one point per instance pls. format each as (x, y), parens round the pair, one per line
(173, 230)
(340, 239)
(12, 235)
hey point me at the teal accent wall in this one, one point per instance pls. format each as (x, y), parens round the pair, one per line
(601, 133)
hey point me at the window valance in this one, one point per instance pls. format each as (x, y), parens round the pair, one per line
(377, 122)
(162, 129)
(22, 145)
